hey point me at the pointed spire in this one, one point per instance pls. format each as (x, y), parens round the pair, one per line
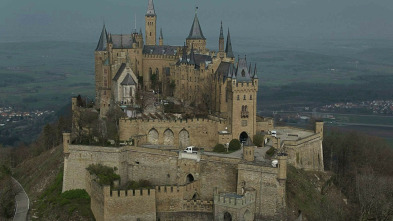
(102, 43)
(161, 36)
(196, 31)
(255, 72)
(150, 9)
(221, 32)
(140, 31)
(228, 49)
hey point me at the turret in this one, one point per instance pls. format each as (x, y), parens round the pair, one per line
(161, 39)
(73, 104)
(150, 24)
(248, 150)
(66, 142)
(196, 38)
(319, 127)
(103, 41)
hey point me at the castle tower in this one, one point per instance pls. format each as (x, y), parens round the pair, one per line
(242, 88)
(100, 55)
(221, 43)
(248, 150)
(150, 24)
(161, 39)
(228, 49)
(196, 38)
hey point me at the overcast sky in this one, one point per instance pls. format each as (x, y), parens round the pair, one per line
(81, 20)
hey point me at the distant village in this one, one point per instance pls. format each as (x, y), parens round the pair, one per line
(381, 107)
(9, 115)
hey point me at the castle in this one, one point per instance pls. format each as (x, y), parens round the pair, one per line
(187, 186)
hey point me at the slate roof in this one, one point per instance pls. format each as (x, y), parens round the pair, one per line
(196, 31)
(122, 41)
(228, 49)
(160, 50)
(226, 70)
(102, 43)
(150, 9)
(121, 69)
(128, 80)
(243, 74)
(249, 143)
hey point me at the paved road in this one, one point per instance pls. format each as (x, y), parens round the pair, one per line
(22, 202)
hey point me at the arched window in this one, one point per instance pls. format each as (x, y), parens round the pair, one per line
(238, 97)
(244, 97)
(250, 97)
(243, 73)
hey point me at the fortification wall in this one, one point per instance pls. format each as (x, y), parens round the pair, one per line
(264, 181)
(217, 172)
(132, 205)
(80, 157)
(306, 153)
(157, 166)
(201, 132)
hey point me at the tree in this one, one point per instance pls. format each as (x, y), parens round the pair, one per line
(234, 145)
(219, 148)
(258, 140)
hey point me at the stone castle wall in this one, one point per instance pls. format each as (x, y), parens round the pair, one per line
(201, 132)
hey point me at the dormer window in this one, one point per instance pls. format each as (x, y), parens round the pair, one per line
(243, 73)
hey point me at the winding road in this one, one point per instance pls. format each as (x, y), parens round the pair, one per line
(22, 202)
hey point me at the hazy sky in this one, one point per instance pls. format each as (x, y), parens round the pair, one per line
(81, 20)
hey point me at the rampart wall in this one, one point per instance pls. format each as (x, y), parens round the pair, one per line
(306, 153)
(199, 132)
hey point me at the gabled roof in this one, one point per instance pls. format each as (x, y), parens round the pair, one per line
(150, 9)
(122, 41)
(128, 80)
(118, 74)
(196, 31)
(160, 49)
(102, 43)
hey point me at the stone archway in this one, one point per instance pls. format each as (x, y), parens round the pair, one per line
(189, 178)
(169, 137)
(243, 137)
(152, 136)
(184, 138)
(248, 216)
(227, 216)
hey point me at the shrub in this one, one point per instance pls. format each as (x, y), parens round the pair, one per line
(219, 148)
(258, 140)
(138, 185)
(75, 194)
(234, 145)
(106, 175)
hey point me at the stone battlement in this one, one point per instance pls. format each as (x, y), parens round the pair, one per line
(234, 200)
(179, 121)
(197, 206)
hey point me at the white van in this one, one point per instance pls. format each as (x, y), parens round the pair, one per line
(274, 133)
(191, 149)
